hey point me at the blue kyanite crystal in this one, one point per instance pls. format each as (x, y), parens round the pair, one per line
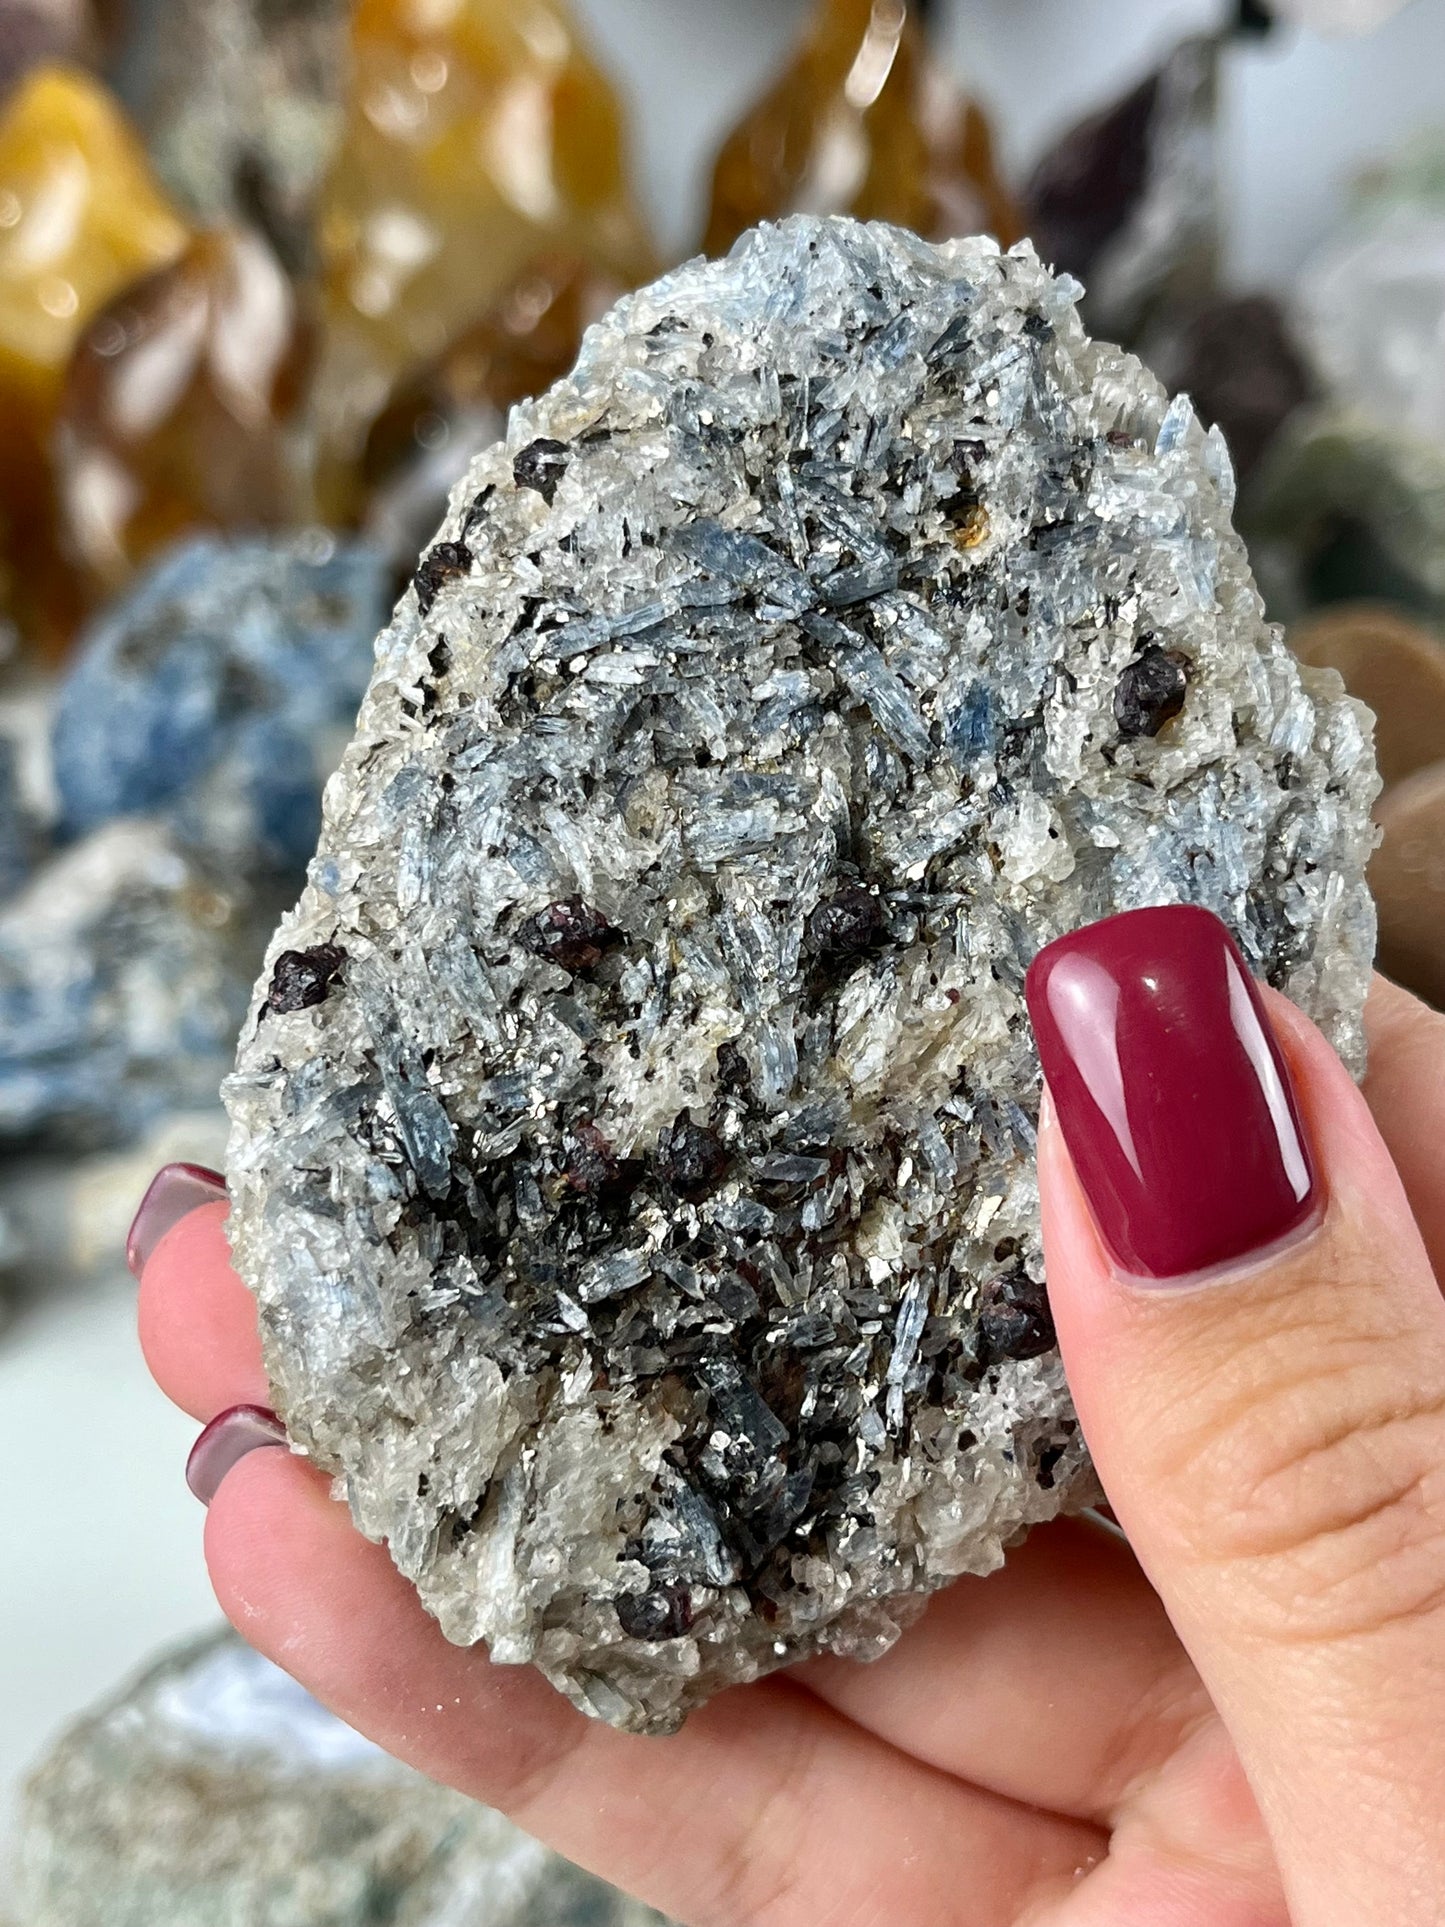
(212, 692)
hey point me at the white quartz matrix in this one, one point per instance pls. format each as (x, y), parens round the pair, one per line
(634, 1128)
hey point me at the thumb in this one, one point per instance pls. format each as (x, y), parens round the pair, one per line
(1256, 1345)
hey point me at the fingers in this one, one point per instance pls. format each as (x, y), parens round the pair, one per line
(1256, 1345)
(1405, 1090)
(198, 1321)
(720, 1824)
(1066, 1681)
(1058, 1680)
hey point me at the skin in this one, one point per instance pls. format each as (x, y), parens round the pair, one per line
(1235, 1719)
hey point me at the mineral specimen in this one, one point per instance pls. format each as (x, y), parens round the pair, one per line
(478, 134)
(1129, 199)
(80, 215)
(862, 122)
(179, 408)
(218, 691)
(643, 1222)
(123, 968)
(213, 1792)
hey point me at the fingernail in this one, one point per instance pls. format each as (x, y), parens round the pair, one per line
(225, 1442)
(1170, 1090)
(174, 1191)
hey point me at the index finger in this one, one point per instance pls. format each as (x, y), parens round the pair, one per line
(198, 1321)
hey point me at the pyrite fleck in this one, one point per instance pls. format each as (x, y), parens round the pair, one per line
(644, 1225)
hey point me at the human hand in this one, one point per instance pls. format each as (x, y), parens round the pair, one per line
(1043, 1747)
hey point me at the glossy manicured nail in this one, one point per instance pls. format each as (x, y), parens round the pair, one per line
(225, 1442)
(1172, 1095)
(174, 1191)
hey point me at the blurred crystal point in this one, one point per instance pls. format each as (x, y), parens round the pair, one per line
(456, 406)
(1237, 360)
(1396, 667)
(36, 31)
(214, 1792)
(218, 691)
(239, 101)
(477, 135)
(1128, 200)
(1408, 881)
(123, 973)
(1356, 486)
(18, 829)
(81, 214)
(1338, 16)
(179, 407)
(861, 121)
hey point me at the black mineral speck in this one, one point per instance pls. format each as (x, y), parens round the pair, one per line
(847, 924)
(691, 1159)
(541, 466)
(664, 1613)
(1150, 692)
(302, 978)
(440, 565)
(1014, 1319)
(571, 934)
(732, 1068)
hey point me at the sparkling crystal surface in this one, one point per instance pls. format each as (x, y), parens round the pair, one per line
(214, 1792)
(862, 122)
(179, 407)
(80, 215)
(643, 1221)
(478, 134)
(218, 691)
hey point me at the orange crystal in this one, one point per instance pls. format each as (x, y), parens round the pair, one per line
(862, 122)
(80, 216)
(479, 133)
(457, 404)
(179, 407)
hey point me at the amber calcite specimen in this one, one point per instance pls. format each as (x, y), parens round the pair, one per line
(457, 405)
(179, 407)
(862, 122)
(478, 134)
(81, 215)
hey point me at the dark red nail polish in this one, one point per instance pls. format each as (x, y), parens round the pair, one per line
(227, 1440)
(1171, 1092)
(174, 1191)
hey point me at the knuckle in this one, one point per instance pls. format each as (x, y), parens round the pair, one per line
(1318, 1480)
(756, 1879)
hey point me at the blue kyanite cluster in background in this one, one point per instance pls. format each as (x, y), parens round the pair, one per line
(215, 692)
(191, 741)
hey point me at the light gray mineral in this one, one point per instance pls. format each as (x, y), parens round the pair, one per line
(633, 1133)
(214, 1792)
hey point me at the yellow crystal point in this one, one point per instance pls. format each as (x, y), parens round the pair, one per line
(80, 216)
(179, 404)
(478, 134)
(862, 122)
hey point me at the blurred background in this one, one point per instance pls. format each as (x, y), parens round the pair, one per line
(270, 271)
